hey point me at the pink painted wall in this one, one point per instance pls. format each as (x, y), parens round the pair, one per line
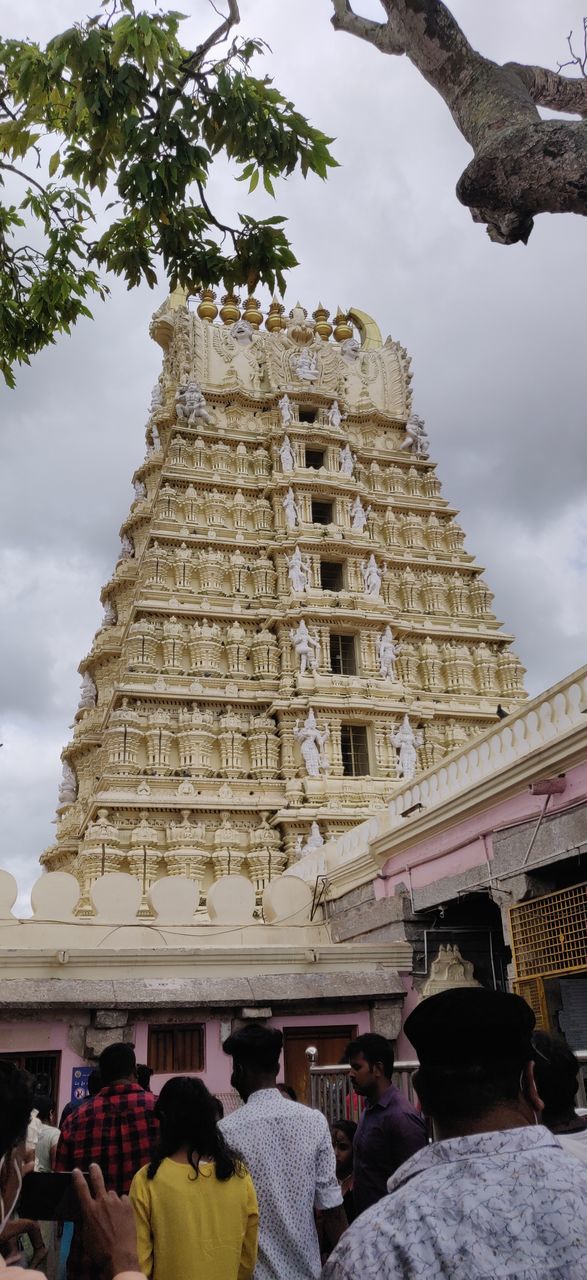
(462, 846)
(42, 1037)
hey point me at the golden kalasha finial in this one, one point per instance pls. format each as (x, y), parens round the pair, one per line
(323, 328)
(207, 309)
(342, 328)
(252, 313)
(230, 310)
(274, 321)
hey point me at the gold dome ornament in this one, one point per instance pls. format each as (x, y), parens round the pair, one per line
(323, 328)
(274, 321)
(252, 313)
(342, 328)
(230, 309)
(207, 309)
(299, 327)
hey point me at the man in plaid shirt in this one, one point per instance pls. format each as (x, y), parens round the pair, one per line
(117, 1130)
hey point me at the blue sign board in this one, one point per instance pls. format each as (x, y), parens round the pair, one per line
(79, 1083)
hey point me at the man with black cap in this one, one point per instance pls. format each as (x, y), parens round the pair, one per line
(494, 1194)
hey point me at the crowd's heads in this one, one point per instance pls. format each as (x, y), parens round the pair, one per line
(117, 1062)
(474, 1047)
(44, 1106)
(556, 1071)
(144, 1074)
(188, 1118)
(255, 1051)
(371, 1061)
(343, 1134)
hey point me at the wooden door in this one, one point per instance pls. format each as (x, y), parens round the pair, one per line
(330, 1042)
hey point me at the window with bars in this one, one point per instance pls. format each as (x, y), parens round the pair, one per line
(322, 512)
(342, 655)
(43, 1066)
(548, 933)
(176, 1048)
(355, 749)
(331, 576)
(315, 458)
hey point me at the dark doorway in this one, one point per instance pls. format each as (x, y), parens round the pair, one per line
(330, 1042)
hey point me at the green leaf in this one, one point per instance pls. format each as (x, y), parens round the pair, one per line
(254, 180)
(54, 163)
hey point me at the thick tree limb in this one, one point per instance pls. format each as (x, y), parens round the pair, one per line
(522, 165)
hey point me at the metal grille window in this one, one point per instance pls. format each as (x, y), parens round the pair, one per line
(354, 748)
(321, 512)
(315, 458)
(342, 655)
(331, 578)
(549, 934)
(43, 1066)
(176, 1048)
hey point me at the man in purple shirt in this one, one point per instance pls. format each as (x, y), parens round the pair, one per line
(390, 1129)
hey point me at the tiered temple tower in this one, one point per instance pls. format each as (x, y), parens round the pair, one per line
(293, 625)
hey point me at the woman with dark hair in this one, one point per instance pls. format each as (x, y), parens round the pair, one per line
(195, 1204)
(343, 1133)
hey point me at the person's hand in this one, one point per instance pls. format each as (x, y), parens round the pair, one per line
(39, 1255)
(109, 1232)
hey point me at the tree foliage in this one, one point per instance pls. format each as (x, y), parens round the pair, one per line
(117, 106)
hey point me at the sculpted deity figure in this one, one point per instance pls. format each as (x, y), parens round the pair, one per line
(190, 405)
(313, 844)
(286, 455)
(312, 742)
(285, 410)
(68, 785)
(372, 577)
(292, 511)
(298, 570)
(140, 490)
(155, 437)
(89, 692)
(405, 742)
(347, 460)
(359, 516)
(387, 653)
(417, 440)
(127, 550)
(335, 417)
(350, 350)
(156, 397)
(305, 366)
(109, 618)
(307, 647)
(242, 331)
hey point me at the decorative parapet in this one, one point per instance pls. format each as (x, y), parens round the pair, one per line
(548, 734)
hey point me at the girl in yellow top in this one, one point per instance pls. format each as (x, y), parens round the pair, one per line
(195, 1204)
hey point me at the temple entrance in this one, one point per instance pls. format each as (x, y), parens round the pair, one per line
(330, 1042)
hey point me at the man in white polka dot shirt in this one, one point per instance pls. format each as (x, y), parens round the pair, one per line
(288, 1151)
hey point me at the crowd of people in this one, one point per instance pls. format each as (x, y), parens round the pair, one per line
(485, 1177)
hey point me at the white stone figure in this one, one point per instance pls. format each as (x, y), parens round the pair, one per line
(298, 570)
(387, 654)
(350, 349)
(127, 550)
(313, 844)
(156, 397)
(372, 577)
(140, 490)
(89, 693)
(286, 455)
(190, 405)
(312, 742)
(68, 785)
(292, 511)
(417, 440)
(335, 417)
(359, 516)
(155, 437)
(285, 410)
(347, 460)
(405, 742)
(305, 366)
(109, 618)
(242, 331)
(307, 647)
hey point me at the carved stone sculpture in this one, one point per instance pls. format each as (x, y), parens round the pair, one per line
(313, 844)
(307, 647)
(372, 578)
(68, 785)
(347, 460)
(335, 417)
(359, 516)
(190, 405)
(286, 455)
(285, 410)
(127, 550)
(312, 742)
(305, 366)
(416, 437)
(291, 509)
(140, 490)
(89, 693)
(387, 654)
(405, 742)
(298, 570)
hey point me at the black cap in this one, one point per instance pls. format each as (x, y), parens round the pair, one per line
(471, 1025)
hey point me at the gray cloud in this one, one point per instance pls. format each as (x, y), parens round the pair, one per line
(496, 337)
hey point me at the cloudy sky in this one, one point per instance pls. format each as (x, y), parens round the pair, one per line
(497, 337)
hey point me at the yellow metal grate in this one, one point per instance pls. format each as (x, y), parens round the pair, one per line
(532, 990)
(549, 934)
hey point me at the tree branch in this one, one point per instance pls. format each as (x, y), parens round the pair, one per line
(378, 34)
(215, 37)
(549, 89)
